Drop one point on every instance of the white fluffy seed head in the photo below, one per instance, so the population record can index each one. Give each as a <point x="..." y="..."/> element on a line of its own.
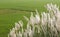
<point x="19" y="34"/>
<point x="37" y="17"/>
<point x="44" y="18"/>
<point x="32" y="19"/>
<point x="17" y="26"/>
<point x="12" y="33"/>
<point x="20" y="23"/>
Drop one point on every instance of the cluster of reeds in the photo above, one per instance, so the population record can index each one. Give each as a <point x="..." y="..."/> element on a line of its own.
<point x="45" y="25"/>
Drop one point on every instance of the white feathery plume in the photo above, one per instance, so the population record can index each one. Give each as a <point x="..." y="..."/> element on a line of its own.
<point x="21" y="23"/>
<point x="52" y="25"/>
<point x="25" y="33"/>
<point x="58" y="20"/>
<point x="38" y="28"/>
<point x="37" y="17"/>
<point x="12" y="33"/>
<point x="55" y="8"/>
<point x="48" y="18"/>
<point x="44" y="18"/>
<point x="32" y="19"/>
<point x="17" y="26"/>
<point x="30" y="33"/>
<point x="19" y="34"/>
<point x="29" y="30"/>
<point x="49" y="7"/>
<point x="28" y="26"/>
<point x="53" y="28"/>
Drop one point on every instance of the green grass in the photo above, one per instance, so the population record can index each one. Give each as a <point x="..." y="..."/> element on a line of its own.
<point x="7" y="22"/>
<point x="26" y="4"/>
<point x="14" y="14"/>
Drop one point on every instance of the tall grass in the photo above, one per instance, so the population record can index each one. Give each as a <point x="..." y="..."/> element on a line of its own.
<point x="45" y="25"/>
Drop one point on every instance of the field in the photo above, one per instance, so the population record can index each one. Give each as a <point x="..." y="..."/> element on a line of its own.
<point x="12" y="11"/>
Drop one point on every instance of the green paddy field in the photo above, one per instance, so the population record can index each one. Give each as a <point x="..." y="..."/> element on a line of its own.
<point x="12" y="11"/>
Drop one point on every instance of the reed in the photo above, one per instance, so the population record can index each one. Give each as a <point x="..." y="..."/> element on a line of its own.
<point x="45" y="25"/>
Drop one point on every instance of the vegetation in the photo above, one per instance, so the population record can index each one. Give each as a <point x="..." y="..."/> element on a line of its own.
<point x="44" y="25"/>
<point x="12" y="11"/>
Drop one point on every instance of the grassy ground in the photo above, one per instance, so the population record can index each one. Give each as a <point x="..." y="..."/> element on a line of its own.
<point x="12" y="11"/>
